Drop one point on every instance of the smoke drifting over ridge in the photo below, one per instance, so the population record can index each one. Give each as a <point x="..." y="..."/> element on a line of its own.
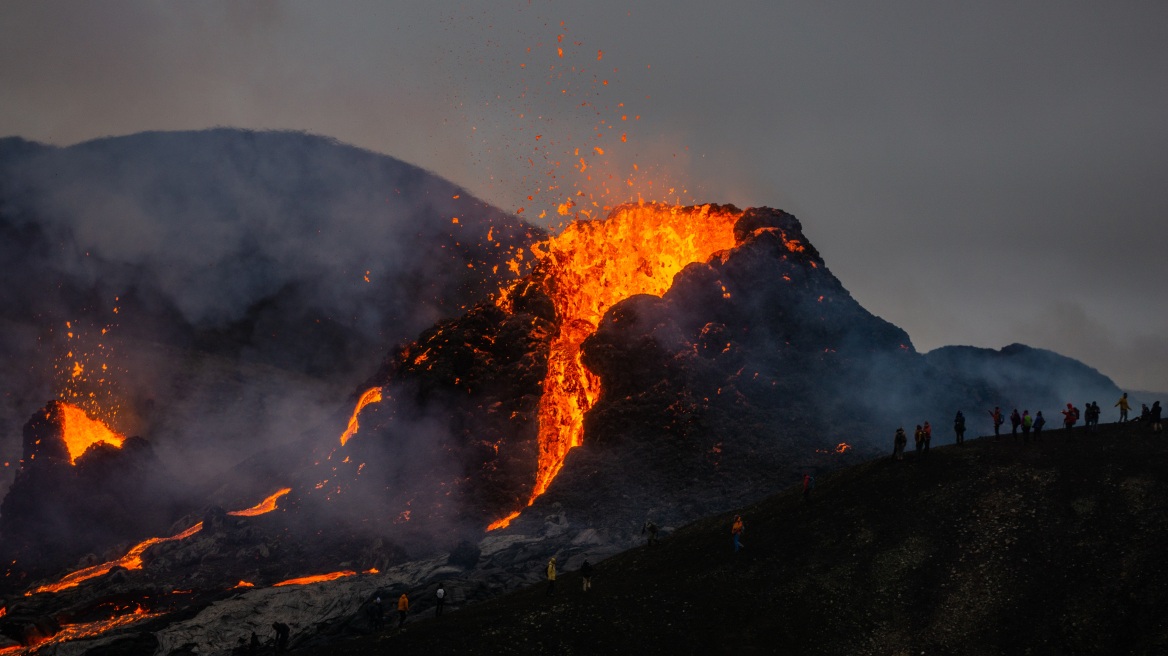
<point x="242" y="276"/>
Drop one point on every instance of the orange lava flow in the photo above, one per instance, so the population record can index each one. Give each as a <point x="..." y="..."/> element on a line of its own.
<point x="81" y="432"/>
<point x="133" y="558"/>
<point x="590" y="266"/>
<point x="371" y="395"/>
<point x="265" y="506"/>
<point x="305" y="580"/>
<point x="91" y="629"/>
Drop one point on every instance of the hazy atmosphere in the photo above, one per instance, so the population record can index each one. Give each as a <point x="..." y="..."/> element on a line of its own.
<point x="977" y="175"/>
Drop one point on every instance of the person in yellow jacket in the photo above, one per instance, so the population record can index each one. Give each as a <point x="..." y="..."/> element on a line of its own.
<point x="551" y="576"/>
<point x="1123" y="406"/>
<point x="403" y="607"/>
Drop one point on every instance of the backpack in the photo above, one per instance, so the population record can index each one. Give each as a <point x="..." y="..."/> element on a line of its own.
<point x="1075" y="414"/>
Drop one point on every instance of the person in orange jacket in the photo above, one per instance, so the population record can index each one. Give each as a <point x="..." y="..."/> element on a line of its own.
<point x="736" y="532"/>
<point x="403" y="607"/>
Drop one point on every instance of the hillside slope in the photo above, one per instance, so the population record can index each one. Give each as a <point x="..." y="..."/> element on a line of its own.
<point x="989" y="548"/>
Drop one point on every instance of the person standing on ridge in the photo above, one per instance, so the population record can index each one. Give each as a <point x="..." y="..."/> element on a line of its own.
<point x="928" y="433"/>
<point x="586" y="575"/>
<point x="1015" y="423"/>
<point x="651" y="528"/>
<point x="808" y="483"/>
<point x="1091" y="414"/>
<point x="1027" y="423"/>
<point x="1070" y="417"/>
<point x="919" y="440"/>
<point x="1039" y="422"/>
<point x="996" y="415"/>
<point x="439" y="600"/>
<point x="1124" y="405"/>
<point x="959" y="427"/>
<point x="1154" y="417"/>
<point x="898" y="444"/>
<point x="551" y="577"/>
<point x="403" y="608"/>
<point x="736" y="530"/>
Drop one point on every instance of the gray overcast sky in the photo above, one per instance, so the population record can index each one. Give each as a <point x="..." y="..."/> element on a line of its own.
<point x="977" y="173"/>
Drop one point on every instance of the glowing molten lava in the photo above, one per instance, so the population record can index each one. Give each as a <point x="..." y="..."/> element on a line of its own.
<point x="305" y="580"/>
<point x="589" y="267"/>
<point x="133" y="558"/>
<point x="265" y="506"/>
<point x="81" y="432"/>
<point x="371" y="395"/>
<point x="70" y="632"/>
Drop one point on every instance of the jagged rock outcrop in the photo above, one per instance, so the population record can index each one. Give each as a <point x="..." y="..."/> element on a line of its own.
<point x="58" y="510"/>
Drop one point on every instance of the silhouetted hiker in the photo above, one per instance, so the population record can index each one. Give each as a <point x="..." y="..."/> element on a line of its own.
<point x="898" y="444"/>
<point x="551" y="577"/>
<point x="651" y="529"/>
<point x="586" y="575"/>
<point x="1091" y="415"/>
<point x="403" y="609"/>
<point x="996" y="415"/>
<point x="1015" y="423"/>
<point x="919" y="440"/>
<point x="928" y="432"/>
<point x="1124" y="406"/>
<point x="254" y="646"/>
<point x="1070" y="417"/>
<point x="808" y="483"/>
<point x="282" y="632"/>
<point x="1144" y="412"/>
<point x="1039" y="422"/>
<point x="1027" y="423"/>
<point x="736" y="530"/>
<point x="959" y="427"/>
<point x="1154" y="417"/>
<point x="439" y="600"/>
<point x="376" y="613"/>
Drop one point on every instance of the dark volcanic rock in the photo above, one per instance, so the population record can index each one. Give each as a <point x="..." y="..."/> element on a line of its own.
<point x="57" y="512"/>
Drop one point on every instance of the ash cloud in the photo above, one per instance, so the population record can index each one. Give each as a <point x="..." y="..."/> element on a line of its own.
<point x="253" y="274"/>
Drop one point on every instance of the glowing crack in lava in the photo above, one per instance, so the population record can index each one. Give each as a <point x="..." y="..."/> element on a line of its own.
<point x="588" y="268"/>
<point x="263" y="507"/>
<point x="371" y="395"/>
<point x="305" y="580"/>
<point x="80" y="432"/>
<point x="133" y="557"/>
<point x="70" y="632"/>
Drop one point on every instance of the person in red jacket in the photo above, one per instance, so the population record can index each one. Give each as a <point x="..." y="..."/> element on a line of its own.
<point x="1070" y="416"/>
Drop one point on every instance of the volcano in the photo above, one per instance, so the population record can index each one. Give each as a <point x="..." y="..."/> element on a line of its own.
<point x="660" y="365"/>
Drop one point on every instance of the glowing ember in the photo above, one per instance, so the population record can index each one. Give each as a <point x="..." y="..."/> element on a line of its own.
<point x="265" y="506"/>
<point x="133" y="558"/>
<point x="305" y="580"/>
<point x="589" y="267"/>
<point x="842" y="447"/>
<point x="244" y="584"/>
<point x="81" y="432"/>
<point x="371" y="395"/>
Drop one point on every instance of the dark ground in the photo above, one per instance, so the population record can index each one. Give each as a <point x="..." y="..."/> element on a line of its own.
<point x="996" y="547"/>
